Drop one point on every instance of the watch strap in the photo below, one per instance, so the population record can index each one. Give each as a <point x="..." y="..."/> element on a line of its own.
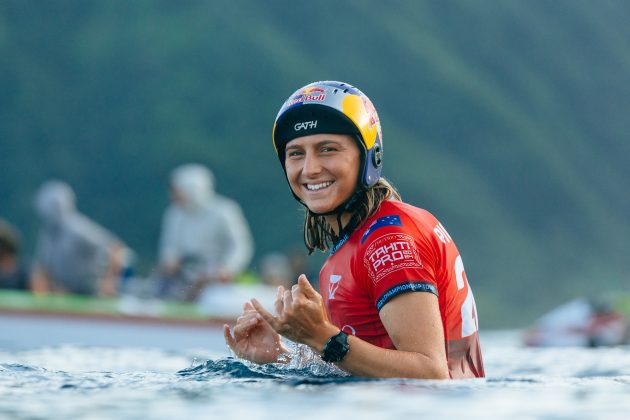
<point x="336" y="348"/>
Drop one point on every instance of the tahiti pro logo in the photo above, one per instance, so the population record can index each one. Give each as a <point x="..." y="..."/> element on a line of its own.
<point x="389" y="253"/>
<point x="312" y="94"/>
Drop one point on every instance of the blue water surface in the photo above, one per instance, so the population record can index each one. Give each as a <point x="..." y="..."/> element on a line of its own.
<point x="72" y="381"/>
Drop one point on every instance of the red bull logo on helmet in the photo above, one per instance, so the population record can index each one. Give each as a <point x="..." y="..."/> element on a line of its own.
<point x="309" y="94"/>
<point x="371" y="111"/>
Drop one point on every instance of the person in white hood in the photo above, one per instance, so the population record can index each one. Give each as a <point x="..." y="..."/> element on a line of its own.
<point x="205" y="237"/>
<point x="73" y="253"/>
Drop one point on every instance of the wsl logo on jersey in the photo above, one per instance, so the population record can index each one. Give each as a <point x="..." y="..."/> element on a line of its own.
<point x="333" y="285"/>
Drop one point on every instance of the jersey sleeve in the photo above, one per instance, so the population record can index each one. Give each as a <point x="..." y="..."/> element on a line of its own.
<point x="396" y="259"/>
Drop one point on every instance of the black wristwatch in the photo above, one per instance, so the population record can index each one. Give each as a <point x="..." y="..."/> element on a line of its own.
<point x="336" y="348"/>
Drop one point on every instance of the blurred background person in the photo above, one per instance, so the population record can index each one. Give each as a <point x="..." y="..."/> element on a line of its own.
<point x="13" y="272"/>
<point x="204" y="239"/>
<point x="73" y="253"/>
<point x="300" y="264"/>
<point x="276" y="270"/>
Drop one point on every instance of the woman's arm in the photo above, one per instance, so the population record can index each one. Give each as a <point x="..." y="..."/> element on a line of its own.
<point x="412" y="320"/>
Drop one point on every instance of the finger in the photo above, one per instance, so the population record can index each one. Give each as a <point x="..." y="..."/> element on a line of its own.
<point x="243" y="328"/>
<point x="278" y="305"/>
<point x="228" y="336"/>
<point x="305" y="287"/>
<point x="266" y="315"/>
<point x="287" y="300"/>
<point x="246" y="316"/>
<point x="248" y="309"/>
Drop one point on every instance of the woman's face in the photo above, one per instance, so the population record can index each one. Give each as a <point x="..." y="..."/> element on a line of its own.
<point x="322" y="169"/>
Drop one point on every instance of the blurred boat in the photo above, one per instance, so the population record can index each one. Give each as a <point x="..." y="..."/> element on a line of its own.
<point x="583" y="322"/>
<point x="29" y="321"/>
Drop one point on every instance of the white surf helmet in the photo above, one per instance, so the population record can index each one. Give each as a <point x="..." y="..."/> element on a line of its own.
<point x="336" y="108"/>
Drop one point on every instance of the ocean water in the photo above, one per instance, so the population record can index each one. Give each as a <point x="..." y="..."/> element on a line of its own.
<point x="75" y="382"/>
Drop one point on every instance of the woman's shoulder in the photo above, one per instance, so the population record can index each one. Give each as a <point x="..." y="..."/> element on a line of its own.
<point x="407" y="217"/>
<point x="395" y="217"/>
<point x="400" y="208"/>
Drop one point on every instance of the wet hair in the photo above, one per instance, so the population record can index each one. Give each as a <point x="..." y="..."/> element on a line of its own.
<point x="319" y="235"/>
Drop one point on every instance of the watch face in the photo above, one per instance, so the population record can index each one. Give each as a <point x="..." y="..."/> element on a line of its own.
<point x="336" y="348"/>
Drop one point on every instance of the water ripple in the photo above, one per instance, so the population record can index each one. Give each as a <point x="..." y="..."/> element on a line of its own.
<point x="230" y="367"/>
<point x="79" y="382"/>
<point x="17" y="367"/>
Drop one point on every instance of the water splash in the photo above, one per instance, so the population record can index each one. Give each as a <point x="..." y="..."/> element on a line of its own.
<point x="303" y="367"/>
<point x="288" y="374"/>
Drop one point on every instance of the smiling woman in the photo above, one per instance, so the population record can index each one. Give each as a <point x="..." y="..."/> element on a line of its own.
<point x="395" y="300"/>
<point x="322" y="169"/>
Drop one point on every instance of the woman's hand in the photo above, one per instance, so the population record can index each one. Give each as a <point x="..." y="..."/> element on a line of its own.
<point x="254" y="339"/>
<point x="301" y="315"/>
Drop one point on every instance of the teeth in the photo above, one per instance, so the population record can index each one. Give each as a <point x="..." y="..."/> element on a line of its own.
<point x="315" y="187"/>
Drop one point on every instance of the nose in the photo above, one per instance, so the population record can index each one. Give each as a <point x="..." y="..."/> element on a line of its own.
<point x="312" y="165"/>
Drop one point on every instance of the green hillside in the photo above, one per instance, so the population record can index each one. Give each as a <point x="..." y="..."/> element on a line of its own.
<point x="505" y="119"/>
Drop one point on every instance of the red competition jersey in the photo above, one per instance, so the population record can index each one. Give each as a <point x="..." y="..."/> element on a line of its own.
<point x="402" y="249"/>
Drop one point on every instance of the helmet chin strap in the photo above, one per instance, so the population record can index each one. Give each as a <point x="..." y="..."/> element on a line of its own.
<point x="345" y="207"/>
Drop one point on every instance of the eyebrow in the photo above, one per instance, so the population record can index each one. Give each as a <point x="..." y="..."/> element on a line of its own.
<point x="321" y="143"/>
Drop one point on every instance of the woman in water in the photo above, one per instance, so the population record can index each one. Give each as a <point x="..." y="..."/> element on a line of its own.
<point x="395" y="300"/>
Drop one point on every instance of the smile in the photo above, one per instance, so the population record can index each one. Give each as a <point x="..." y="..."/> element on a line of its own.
<point x="317" y="187"/>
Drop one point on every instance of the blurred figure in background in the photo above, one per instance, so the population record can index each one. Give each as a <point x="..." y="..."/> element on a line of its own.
<point x="204" y="239"/>
<point x="13" y="273"/>
<point x="276" y="270"/>
<point x="73" y="253"/>
<point x="300" y="265"/>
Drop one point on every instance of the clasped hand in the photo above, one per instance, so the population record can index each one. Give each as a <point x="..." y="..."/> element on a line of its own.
<point x="300" y="317"/>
